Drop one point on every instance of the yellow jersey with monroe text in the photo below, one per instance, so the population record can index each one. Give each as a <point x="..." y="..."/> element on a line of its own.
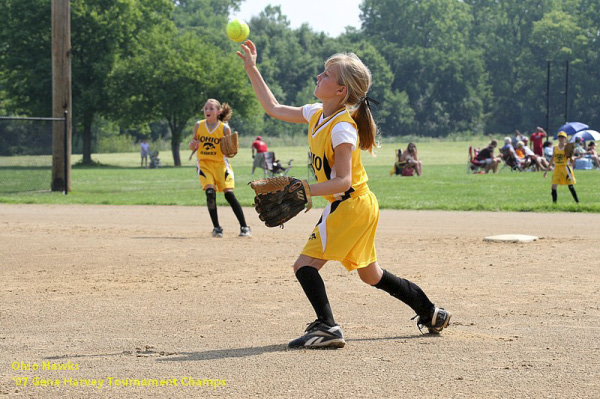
<point x="210" y="141"/>
<point x="559" y="157"/>
<point x="323" y="156"/>
<point x="563" y="173"/>
<point x="346" y="230"/>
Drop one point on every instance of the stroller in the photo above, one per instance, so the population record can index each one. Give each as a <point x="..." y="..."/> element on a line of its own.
<point x="271" y="166"/>
<point x="154" y="160"/>
<point x="280" y="169"/>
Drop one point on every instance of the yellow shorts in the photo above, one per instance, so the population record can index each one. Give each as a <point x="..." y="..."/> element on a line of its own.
<point x="563" y="174"/>
<point x="218" y="174"/>
<point x="346" y="232"/>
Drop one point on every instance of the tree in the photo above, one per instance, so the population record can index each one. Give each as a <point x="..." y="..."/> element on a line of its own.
<point x="502" y="29"/>
<point x="100" y="30"/>
<point x="170" y="77"/>
<point x="25" y="51"/>
<point x="289" y="61"/>
<point x="427" y="47"/>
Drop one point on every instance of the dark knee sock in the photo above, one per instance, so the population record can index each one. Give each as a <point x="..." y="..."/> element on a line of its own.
<point x="314" y="288"/>
<point x="554" y="195"/>
<point x="573" y="193"/>
<point x="211" y="203"/>
<point x="237" y="208"/>
<point x="408" y="292"/>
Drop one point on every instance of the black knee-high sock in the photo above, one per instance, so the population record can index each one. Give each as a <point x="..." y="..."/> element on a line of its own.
<point x="573" y="193"/>
<point x="211" y="203"/>
<point x="237" y="208"/>
<point x="314" y="288"/>
<point x="554" y="195"/>
<point x="408" y="292"/>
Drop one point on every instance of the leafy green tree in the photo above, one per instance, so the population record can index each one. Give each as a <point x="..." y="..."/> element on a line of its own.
<point x="287" y="61"/>
<point x="208" y="16"/>
<point x="170" y="77"/>
<point x="503" y="31"/>
<point x="585" y="76"/>
<point x="427" y="47"/>
<point x="25" y="51"/>
<point x="100" y="32"/>
<point x="519" y="38"/>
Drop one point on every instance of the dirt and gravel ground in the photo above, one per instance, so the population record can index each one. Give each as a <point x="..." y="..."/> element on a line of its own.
<point x="124" y="293"/>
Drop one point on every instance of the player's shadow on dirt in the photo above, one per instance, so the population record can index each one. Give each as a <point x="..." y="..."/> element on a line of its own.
<point x="259" y="350"/>
<point x="162" y="238"/>
<point x="224" y="353"/>
<point x="420" y="336"/>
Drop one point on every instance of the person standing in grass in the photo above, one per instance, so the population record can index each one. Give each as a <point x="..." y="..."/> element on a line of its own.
<point x="536" y="141"/>
<point x="144" y="151"/>
<point x="563" y="172"/>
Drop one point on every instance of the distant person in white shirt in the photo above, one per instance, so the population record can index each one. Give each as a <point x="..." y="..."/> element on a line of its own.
<point x="144" y="151"/>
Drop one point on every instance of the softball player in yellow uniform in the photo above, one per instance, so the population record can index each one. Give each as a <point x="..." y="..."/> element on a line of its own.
<point x="213" y="167"/>
<point x="563" y="172"/>
<point x="339" y="127"/>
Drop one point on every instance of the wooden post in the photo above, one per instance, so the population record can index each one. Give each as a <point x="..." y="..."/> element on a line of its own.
<point x="61" y="95"/>
<point x="567" y="92"/>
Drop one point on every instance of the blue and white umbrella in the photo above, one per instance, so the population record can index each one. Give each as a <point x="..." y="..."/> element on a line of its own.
<point x="587" y="135"/>
<point x="571" y="128"/>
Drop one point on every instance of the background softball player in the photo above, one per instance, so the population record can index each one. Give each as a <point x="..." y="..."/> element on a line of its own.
<point x="346" y="230"/>
<point x="563" y="172"/>
<point x="214" y="169"/>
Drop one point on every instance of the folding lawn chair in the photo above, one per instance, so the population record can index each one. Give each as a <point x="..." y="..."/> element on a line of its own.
<point x="474" y="165"/>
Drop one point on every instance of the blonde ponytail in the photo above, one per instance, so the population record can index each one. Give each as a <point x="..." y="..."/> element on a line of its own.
<point x="357" y="78"/>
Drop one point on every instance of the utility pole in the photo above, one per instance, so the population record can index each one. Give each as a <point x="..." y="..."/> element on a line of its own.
<point x="61" y="95"/>
<point x="567" y="92"/>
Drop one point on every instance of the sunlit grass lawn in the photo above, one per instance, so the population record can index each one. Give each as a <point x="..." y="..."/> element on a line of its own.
<point x="445" y="184"/>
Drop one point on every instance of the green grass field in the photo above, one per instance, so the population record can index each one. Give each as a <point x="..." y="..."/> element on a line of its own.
<point x="119" y="180"/>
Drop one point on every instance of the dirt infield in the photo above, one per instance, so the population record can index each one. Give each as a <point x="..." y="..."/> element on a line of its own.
<point x="143" y="295"/>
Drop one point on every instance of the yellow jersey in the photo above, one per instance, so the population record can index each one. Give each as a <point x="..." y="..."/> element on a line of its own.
<point x="210" y="140"/>
<point x="323" y="156"/>
<point x="559" y="157"/>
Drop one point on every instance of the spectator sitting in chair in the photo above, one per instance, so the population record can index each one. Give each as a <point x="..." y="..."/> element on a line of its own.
<point x="548" y="150"/>
<point x="411" y="157"/>
<point x="486" y="155"/>
<point x="592" y="154"/>
<point x="523" y="159"/>
<point x="259" y="146"/>
<point x="579" y="150"/>
<point x="530" y="158"/>
<point x="518" y="137"/>
<point x="509" y="155"/>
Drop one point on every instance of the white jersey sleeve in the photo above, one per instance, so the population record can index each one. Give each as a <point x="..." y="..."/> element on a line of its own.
<point x="341" y="133"/>
<point x="309" y="110"/>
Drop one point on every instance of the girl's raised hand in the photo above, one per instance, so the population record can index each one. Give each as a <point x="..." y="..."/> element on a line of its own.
<point x="249" y="55"/>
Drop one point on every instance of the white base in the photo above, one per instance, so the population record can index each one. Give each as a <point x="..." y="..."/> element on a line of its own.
<point x="511" y="238"/>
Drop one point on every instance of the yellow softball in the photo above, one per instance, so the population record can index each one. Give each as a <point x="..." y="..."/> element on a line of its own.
<point x="237" y="30"/>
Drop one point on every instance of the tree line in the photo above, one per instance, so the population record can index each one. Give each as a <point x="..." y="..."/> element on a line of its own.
<point x="439" y="67"/>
